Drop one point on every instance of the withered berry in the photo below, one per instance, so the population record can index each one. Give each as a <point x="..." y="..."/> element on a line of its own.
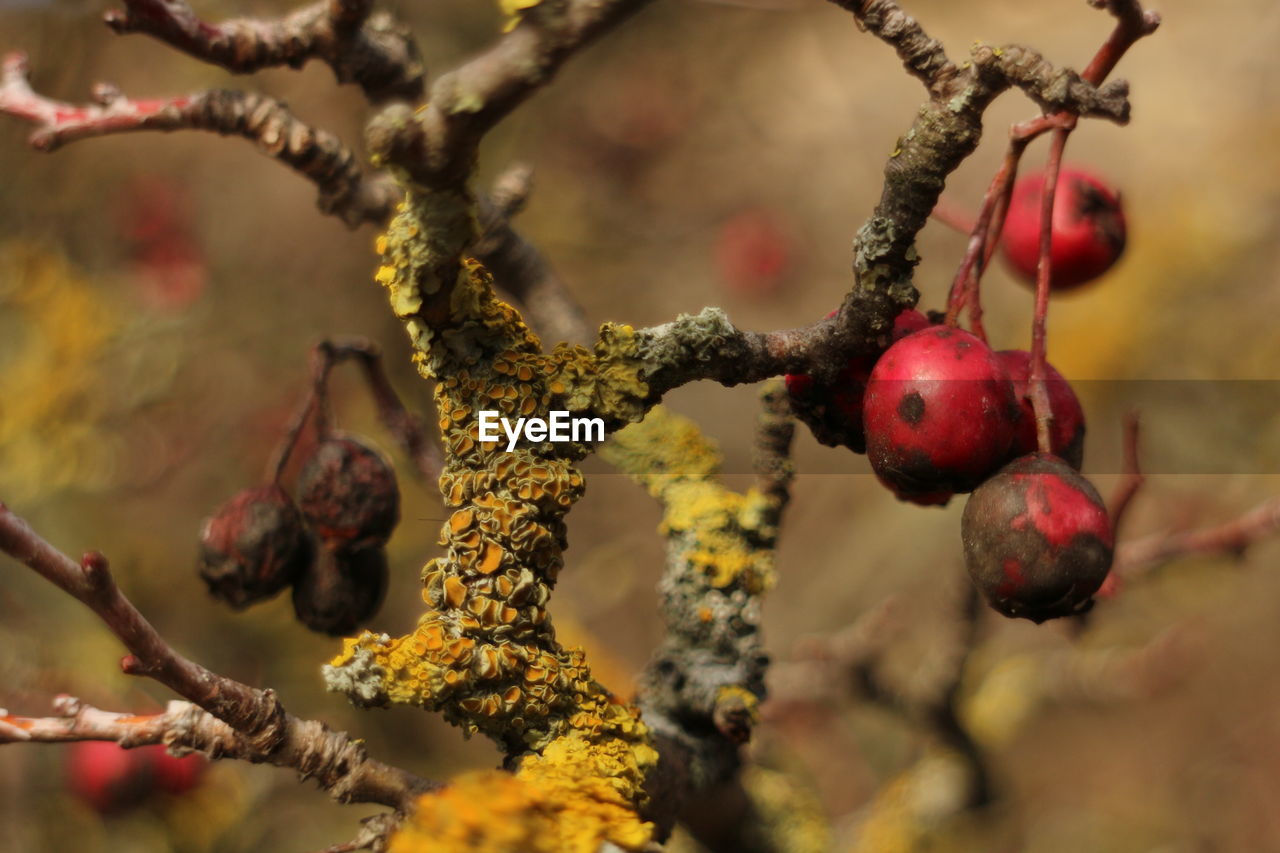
<point x="348" y="494"/>
<point x="939" y="413"/>
<point x="341" y="590"/>
<point x="253" y="546"/>
<point x="833" y="411"/>
<point x="1037" y="539"/>
<point x="1088" y="228"/>
<point x="1066" y="431"/>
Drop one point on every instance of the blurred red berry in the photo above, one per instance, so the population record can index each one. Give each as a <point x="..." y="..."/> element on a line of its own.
<point x="1088" y="228"/>
<point x="166" y="259"/>
<point x="753" y="253"/>
<point x="174" y="775"/>
<point x="109" y="778"/>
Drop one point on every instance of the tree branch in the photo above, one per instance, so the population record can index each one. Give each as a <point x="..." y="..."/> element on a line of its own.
<point x="924" y="57"/>
<point x="374" y="52"/>
<point x="319" y="156"/>
<point x="250" y="723"/>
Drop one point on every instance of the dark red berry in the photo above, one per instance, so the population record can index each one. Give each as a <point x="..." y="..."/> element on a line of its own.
<point x="109" y="778"/>
<point x="1037" y="539"/>
<point x="348" y="494"/>
<point x="253" y="546"/>
<point x="1066" y="431"/>
<point x="341" y="590"/>
<point x="1088" y="228"/>
<point x="940" y="415"/>
<point x="833" y="411"/>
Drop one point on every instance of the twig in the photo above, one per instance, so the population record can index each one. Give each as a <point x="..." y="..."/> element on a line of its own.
<point x="924" y="57"/>
<point x="519" y="267"/>
<point x="373" y="52"/>
<point x="1235" y="537"/>
<point x="408" y="430"/>
<point x="345" y="191"/>
<point x="1133" y="478"/>
<point x="249" y="723"/>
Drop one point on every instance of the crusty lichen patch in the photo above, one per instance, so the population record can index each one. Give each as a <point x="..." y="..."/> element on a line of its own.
<point x="722" y="537"/>
<point x="484" y="653"/>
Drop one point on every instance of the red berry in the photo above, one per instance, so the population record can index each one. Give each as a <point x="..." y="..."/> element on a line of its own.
<point x="834" y="411"/>
<point x="1037" y="539"/>
<point x="752" y="252"/>
<point x="1088" y="228"/>
<point x="341" y="590"/>
<point x="177" y="775"/>
<point x="348" y="494"/>
<point x="940" y="414"/>
<point x="1066" y="431"/>
<point x="253" y="546"/>
<point x="108" y="777"/>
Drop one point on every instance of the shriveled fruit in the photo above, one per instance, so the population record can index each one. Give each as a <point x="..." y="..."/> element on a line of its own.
<point x="833" y="411"/>
<point x="939" y="413"/>
<point x="341" y="590"/>
<point x="1088" y="231"/>
<point x="253" y="546"/>
<point x="348" y="494"/>
<point x="1037" y="539"/>
<point x="1066" y="431"/>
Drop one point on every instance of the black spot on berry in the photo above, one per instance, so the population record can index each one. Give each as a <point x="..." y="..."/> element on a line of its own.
<point x="911" y="408"/>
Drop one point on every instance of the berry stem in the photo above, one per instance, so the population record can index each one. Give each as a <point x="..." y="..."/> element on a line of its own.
<point x="1044" y="271"/>
<point x="965" y="286"/>
<point x="1133" y="477"/>
<point x="405" y="427"/>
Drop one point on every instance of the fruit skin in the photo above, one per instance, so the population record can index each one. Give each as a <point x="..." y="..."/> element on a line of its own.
<point x="833" y="411"/>
<point x="342" y="590"/>
<point x="1037" y="538"/>
<point x="253" y="546"/>
<point x="1088" y="228"/>
<point x="940" y="415"/>
<point x="348" y="494"/>
<point x="1066" y="431"/>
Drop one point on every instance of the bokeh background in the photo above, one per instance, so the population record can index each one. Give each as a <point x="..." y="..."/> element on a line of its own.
<point x="159" y="293"/>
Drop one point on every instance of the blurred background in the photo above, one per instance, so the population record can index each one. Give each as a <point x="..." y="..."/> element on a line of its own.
<point x="159" y="294"/>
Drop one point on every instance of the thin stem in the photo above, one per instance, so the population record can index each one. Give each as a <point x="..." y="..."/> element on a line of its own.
<point x="1044" y="271"/>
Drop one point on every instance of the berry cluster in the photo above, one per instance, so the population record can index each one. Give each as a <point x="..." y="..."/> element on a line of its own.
<point x="939" y="413"/>
<point x="329" y="545"/>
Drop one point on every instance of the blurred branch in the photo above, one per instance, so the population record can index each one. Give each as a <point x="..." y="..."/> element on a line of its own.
<point x="374" y="52"/>
<point x="250" y="723"/>
<point x="775" y="429"/>
<point x="701" y="690"/>
<point x="1235" y="537"/>
<point x="436" y="146"/>
<point x="1132" y="477"/>
<point x="345" y="191"/>
<point x="520" y="268"/>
